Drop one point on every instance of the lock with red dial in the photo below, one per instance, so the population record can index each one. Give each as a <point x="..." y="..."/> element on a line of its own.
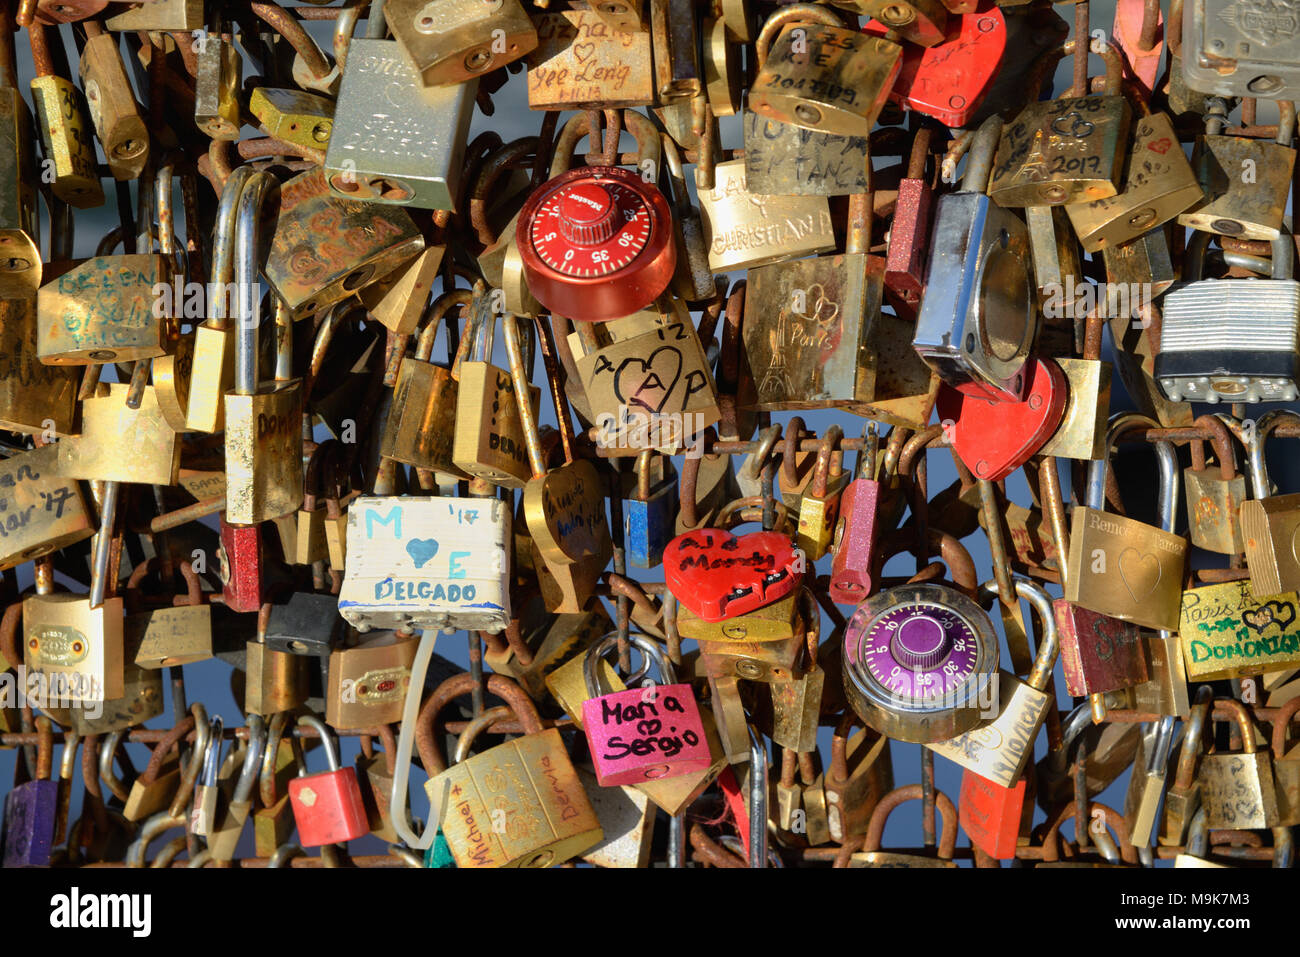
<point x="596" y="243"/>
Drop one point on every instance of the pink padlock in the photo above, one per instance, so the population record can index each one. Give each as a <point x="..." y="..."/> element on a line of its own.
<point x="642" y="734"/>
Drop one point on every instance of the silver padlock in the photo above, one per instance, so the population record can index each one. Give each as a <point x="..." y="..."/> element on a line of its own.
<point x="979" y="315"/>
<point x="1232" y="340"/>
<point x="1242" y="48"/>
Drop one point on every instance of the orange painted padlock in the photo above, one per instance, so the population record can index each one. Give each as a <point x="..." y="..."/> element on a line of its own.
<point x="991" y="815"/>
<point x="327" y="807"/>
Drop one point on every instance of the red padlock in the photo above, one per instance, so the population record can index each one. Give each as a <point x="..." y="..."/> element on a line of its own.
<point x="241" y="563"/>
<point x="992" y="815"/>
<point x="907" y="253"/>
<point x="949" y="81"/>
<point x="1141" y="62"/>
<point x="327" y="807"/>
<point x="994" y="438"/>
<point x="855" y="532"/>
<point x="596" y="243"/>
<point x="1099" y="653"/>
<point x="718" y="576"/>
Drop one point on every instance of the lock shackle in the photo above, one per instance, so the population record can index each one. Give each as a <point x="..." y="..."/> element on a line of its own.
<point x="475" y="727"/>
<point x="1053" y="839"/>
<point x="1260" y="485"/>
<point x="251" y="769"/>
<point x="1244" y="724"/>
<point x="1114" y="67"/>
<point x="742" y="511"/>
<point x="1282" y="265"/>
<point x="1198" y="835"/>
<point x="1167" y="502"/>
<point x="1162" y="743"/>
<point x="555" y="383"/>
<point x="979" y="161"/>
<point x="1049" y="645"/>
<point x="223" y="245"/>
<point x="651" y="649"/>
<point x="1194" y="736"/>
<point x="160" y="750"/>
<point x="578" y="126"/>
<point x="327" y="739"/>
<point x="788" y="16"/>
<point x="247" y="312"/>
<point x="312" y="480"/>
<point x="825" y="454"/>
<point x="794" y="430"/>
<point x="434" y="316"/>
<point x="497" y="163"/>
<point x="212" y="753"/>
<point x="190" y="774"/>
<point x="767" y="440"/>
<point x="865" y="468"/>
<point x="642" y="471"/>
<point x="458" y="686"/>
<point x="911" y="792"/>
<point x="1285" y="122"/>
<point x="690" y="480"/>
<point x="1221" y="439"/>
<point x="267" y="774"/>
<point x="68" y="759"/>
<point x="952" y="553"/>
<point x="45" y="748"/>
<point x="1281" y="724"/>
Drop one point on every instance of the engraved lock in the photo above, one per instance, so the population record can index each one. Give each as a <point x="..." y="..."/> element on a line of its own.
<point x="66" y="137"/>
<point x="999" y="749"/>
<point x="1236" y="204"/>
<point x="978" y="318"/>
<point x="596" y="242"/>
<point x="1214" y="497"/>
<point x="1231" y="340"/>
<point x="918" y="661"/>
<point x="43" y="510"/>
<point x="1066" y="150"/>
<point x="263" y="420"/>
<point x="393" y="141"/>
<point x="1237" y="789"/>
<point x="112" y="106"/>
<point x="581" y="62"/>
<point x="1270" y="523"/>
<point x="820" y="76"/>
<point x="1241" y="50"/>
<point x="673" y="31"/>
<point x="108" y="425"/>
<point x="452" y="41"/>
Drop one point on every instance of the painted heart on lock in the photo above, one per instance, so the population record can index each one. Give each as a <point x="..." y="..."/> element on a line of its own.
<point x="994" y="439"/>
<point x="421" y="550"/>
<point x="718" y="575"/>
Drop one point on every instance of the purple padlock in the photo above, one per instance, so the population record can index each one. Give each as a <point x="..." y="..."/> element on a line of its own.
<point x="29" y="824"/>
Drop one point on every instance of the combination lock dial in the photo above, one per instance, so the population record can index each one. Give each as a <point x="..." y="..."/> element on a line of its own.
<point x="917" y="663"/>
<point x="596" y="243"/>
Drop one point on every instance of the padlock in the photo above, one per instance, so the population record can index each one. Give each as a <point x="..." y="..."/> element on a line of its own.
<point x="273" y="822"/>
<point x="563" y="506"/>
<point x="782" y="159"/>
<point x="30" y="808"/>
<point x="223" y="838"/>
<point x="308" y="540"/>
<point x="181" y="15"/>
<point x="368" y="680"/>
<point x="872" y="856"/>
<point x="375" y="776"/>
<point x="244" y="566"/>
<point x="1000" y="749"/>
<point x="797" y="699"/>
<point x="1146" y="784"/>
<point x="1197" y="851"/>
<point x="326" y="247"/>
<point x="1158" y="185"/>
<point x="461" y="40"/>
<point x="1055" y="254"/>
<point x="393" y="141"/>
<point x="1067" y="150"/>
<point x="19" y="221"/>
<point x="1183" y="798"/>
<point x="929" y="676"/>
<point x="664" y="736"/>
<point x="202" y="816"/>
<point x="1286" y="766"/>
<point x="1082" y="432"/>
<point x="33" y="396"/>
<point x="1099" y="653"/>
<point x="419" y="428"/>
<point x="820" y="76"/>
<point x="993" y="815"/>
<point x="1269" y="523"/>
<point x="307" y="624"/>
<point x="275" y="680"/>
<point x="649" y="516"/>
<point x="1237" y="789"/>
<point x="1237" y="205"/>
<point x="819" y="504"/>
<point x="427" y="562"/>
<point x="218" y="81"/>
<point x="539" y="650"/>
<point x="295" y="116"/>
<point x="910" y="230"/>
<point x="860" y="774"/>
<point x="1240" y="51"/>
<point x="581" y="62"/>
<point x="856" y="528"/>
<point x="67" y="141"/>
<point x="949" y="78"/>
<point x="1231" y="340"/>
<point x="596" y="242"/>
<point x="1214" y="501"/>
<point x="541" y="825"/>
<point x="171" y="635"/>
<point x="113" y="109"/>
<point x="43" y="511"/>
<point x="1118" y="566"/>
<point x="108" y="424"/>
<point x="327" y="806"/>
<point x="978" y="318"/>
<point x="162" y="779"/>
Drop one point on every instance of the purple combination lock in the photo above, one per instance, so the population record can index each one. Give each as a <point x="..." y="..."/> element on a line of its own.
<point x="917" y="661"/>
<point x="29" y="824"/>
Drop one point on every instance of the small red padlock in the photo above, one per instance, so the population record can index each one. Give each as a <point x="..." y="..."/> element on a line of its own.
<point x="908" y="251"/>
<point x="1141" y="63"/>
<point x="855" y="532"/>
<point x="327" y="807"/>
<point x="991" y="815"/>
<point x="241" y="561"/>
<point x="644" y="733"/>
<point x="1099" y="653"/>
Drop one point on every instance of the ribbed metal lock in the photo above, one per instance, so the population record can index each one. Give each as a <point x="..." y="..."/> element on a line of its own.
<point x="1231" y="340"/>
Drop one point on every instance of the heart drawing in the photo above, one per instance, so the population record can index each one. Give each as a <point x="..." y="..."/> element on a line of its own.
<point x="421" y="550"/>
<point x="649" y="382"/>
<point x="1139" y="571"/>
<point x="718" y="575"/>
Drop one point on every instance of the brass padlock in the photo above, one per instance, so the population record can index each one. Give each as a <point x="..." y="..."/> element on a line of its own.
<point x="452" y="41"/>
<point x="1066" y="150"/>
<point x="1237" y="789"/>
<point x="819" y="75"/>
<point x="34" y="397"/>
<point x="113" y="109"/>
<point x="40" y="510"/>
<point x="217" y="82"/>
<point x="109" y="425"/>
<point x="304" y="119"/>
<point x="581" y="62"/>
<point x="66" y="138"/>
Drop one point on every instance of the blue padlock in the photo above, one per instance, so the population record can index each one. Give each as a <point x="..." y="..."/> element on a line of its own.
<point x="649" y="515"/>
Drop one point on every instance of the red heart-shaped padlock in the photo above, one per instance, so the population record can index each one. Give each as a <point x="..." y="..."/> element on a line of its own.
<point x="994" y="439"/>
<point x="717" y="575"/>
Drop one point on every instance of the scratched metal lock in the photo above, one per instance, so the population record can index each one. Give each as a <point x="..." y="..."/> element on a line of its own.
<point x="304" y="119"/>
<point x="782" y="159"/>
<point x="326" y="247"/>
<point x="1241" y="49"/>
<point x="217" y="82"/>
<point x="1066" y="150"/>
<point x="1214" y="500"/>
<point x="67" y="140"/>
<point x="1099" y="653"/>
<point x="1226" y="632"/>
<point x="182" y="15"/>
<point x="394" y="141"/>
<point x="819" y="75"/>
<point x="19" y="222"/>
<point x="108" y="425"/>
<point x="1231" y="340"/>
<point x="920" y="22"/>
<point x="112" y="105"/>
<point x="102" y="310"/>
<point x="40" y="510"/>
<point x="1237" y="788"/>
<point x="1236" y="204"/>
<point x="581" y="62"/>
<point x="453" y="41"/>
<point x="547" y="646"/>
